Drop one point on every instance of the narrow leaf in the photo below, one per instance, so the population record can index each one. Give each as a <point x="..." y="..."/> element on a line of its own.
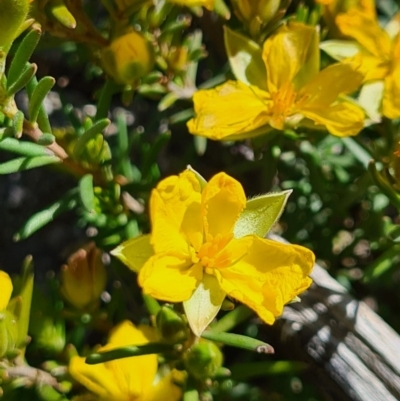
<point x="86" y="192"/>
<point x="22" y="80"/>
<point x="22" y="56"/>
<point x="239" y="341"/>
<point x="24" y="148"/>
<point x="42" y="119"/>
<point x="46" y="216"/>
<point x="38" y="95"/>
<point x="126" y="352"/>
<point x="61" y="13"/>
<point x="18" y="123"/>
<point x="26" y="163"/>
<point x="261" y="214"/>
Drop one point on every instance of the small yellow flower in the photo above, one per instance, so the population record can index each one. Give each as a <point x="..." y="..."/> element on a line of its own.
<point x="378" y="55"/>
<point x="296" y="93"/>
<point x="6" y="290"/>
<point x="200" y="243"/>
<point x="127" y="379"/>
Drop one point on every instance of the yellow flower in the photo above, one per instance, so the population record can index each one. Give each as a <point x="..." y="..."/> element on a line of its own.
<point x="377" y="56"/>
<point x="127" y="379"/>
<point x="296" y="93"/>
<point x="209" y="4"/>
<point x="203" y="243"/>
<point x="6" y="290"/>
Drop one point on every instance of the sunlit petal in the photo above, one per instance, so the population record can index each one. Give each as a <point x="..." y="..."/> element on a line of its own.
<point x="291" y="55"/>
<point x="166" y="388"/>
<point x="270" y="275"/>
<point x="341" y="119"/>
<point x="229" y="109"/>
<point x="170" y="278"/>
<point x="328" y="84"/>
<point x="6" y="289"/>
<point x="223" y="199"/>
<point x="175" y="213"/>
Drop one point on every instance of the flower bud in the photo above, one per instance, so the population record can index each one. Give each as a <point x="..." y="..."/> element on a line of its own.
<point x="48" y="335"/>
<point x="172" y="326"/>
<point x="256" y="14"/>
<point x="12" y="15"/>
<point x="128" y="58"/>
<point x="83" y="277"/>
<point x="203" y="360"/>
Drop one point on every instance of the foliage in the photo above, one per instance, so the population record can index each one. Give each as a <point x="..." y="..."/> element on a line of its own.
<point x="297" y="102"/>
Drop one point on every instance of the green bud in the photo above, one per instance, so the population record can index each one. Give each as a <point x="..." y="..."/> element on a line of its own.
<point x="49" y="334"/>
<point x="172" y="326"/>
<point x="203" y="360"/>
<point x="12" y="15"/>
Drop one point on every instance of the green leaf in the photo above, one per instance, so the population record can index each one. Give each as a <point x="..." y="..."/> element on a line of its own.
<point x="261" y="214"/>
<point x="126" y="352"/>
<point x="239" y="341"/>
<point x="61" y="13"/>
<point x="38" y="95"/>
<point x="46" y="139"/>
<point x="22" y="80"/>
<point x="46" y="216"/>
<point x="388" y="260"/>
<point x="204" y="304"/>
<point x="28" y="149"/>
<point x="22" y="56"/>
<point x="26" y="163"/>
<point x="235" y="317"/>
<point x="91" y="133"/>
<point x="86" y="192"/>
<point x="245" y="58"/>
<point x="42" y="119"/>
<point x="18" y="123"/>
<point x="135" y="252"/>
<point x="340" y="49"/>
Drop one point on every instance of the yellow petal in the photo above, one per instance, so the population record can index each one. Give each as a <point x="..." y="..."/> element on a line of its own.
<point x="96" y="378"/>
<point x="134" y="252"/>
<point x="175" y="214"/>
<point x="391" y="94"/>
<point x="341" y="119"/>
<point x="229" y="109"/>
<point x="365" y="29"/>
<point x="170" y="278"/>
<point x="166" y="388"/>
<point x="270" y="275"/>
<point x="133" y="375"/>
<point x="291" y="55"/>
<point x="223" y="199"/>
<point x="328" y="84"/>
<point x="6" y="289"/>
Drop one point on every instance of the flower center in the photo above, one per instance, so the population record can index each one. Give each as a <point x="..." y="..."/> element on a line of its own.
<point x="283" y="101"/>
<point x="213" y="253"/>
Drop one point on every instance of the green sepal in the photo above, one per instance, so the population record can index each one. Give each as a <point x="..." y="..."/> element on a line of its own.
<point x="260" y="214"/>
<point x="8" y="332"/>
<point x="204" y="304"/>
<point x="245" y="58"/>
<point x="135" y="252"/>
<point x="199" y="177"/>
<point x="339" y="49"/>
